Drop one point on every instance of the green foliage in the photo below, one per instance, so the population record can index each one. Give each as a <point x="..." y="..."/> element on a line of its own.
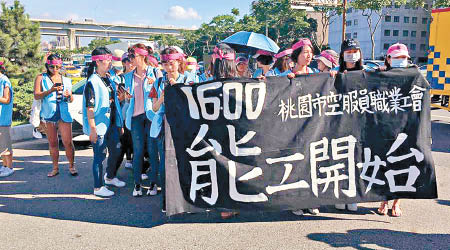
<point x="100" y="42"/>
<point x="166" y="40"/>
<point x="20" y="51"/>
<point x="283" y="25"/>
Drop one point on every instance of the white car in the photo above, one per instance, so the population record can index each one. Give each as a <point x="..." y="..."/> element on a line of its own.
<point x="75" y="109"/>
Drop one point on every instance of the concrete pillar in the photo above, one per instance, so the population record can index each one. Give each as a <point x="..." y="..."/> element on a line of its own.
<point x="72" y="38"/>
<point x="78" y="42"/>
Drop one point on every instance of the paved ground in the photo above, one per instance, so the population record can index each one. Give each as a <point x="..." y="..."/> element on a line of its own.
<point x="60" y="213"/>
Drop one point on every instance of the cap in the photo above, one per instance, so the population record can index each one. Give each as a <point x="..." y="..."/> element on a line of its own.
<point x="191" y="63"/>
<point x="241" y="59"/>
<point x="398" y="49"/>
<point x="349" y="44"/>
<point x="118" y="54"/>
<point x="125" y="56"/>
<point x="329" y="57"/>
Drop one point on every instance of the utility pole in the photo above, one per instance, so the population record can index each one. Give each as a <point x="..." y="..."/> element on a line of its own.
<point x="344" y="19"/>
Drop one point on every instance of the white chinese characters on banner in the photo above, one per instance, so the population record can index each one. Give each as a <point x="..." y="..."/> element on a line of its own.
<point x="357" y="101"/>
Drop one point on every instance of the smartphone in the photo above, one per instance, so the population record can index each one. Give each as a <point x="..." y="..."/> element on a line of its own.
<point x="122" y="87"/>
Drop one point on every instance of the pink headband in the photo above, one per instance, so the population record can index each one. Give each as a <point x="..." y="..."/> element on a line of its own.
<point x="142" y="52"/>
<point x="301" y="43"/>
<point x="263" y="52"/>
<point x="218" y="53"/>
<point x="153" y="59"/>
<point x="283" y="53"/>
<point x="329" y="57"/>
<point x="1" y="63"/>
<point x="191" y="63"/>
<point x="54" y="62"/>
<point x="167" y="57"/>
<point x="102" y="57"/>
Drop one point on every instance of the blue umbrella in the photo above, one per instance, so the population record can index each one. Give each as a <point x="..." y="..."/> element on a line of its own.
<point x="252" y="40"/>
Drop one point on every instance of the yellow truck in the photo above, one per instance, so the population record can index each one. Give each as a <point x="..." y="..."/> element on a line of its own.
<point x="438" y="68"/>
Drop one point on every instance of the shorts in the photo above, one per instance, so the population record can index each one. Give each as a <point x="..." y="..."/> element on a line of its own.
<point x="5" y="139"/>
<point x="56" y="117"/>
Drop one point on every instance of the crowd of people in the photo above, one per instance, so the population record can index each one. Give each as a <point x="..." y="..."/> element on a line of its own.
<point x="123" y="104"/>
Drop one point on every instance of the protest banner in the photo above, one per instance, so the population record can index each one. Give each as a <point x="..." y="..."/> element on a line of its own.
<point x="284" y="144"/>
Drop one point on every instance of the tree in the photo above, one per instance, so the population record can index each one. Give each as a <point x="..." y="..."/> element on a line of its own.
<point x="166" y="40"/>
<point x="191" y="41"/>
<point x="282" y="23"/>
<point x="374" y="11"/>
<point x="325" y="19"/>
<point x="20" y="51"/>
<point x="100" y="42"/>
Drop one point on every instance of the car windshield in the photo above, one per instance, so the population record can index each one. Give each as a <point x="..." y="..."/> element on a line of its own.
<point x="78" y="88"/>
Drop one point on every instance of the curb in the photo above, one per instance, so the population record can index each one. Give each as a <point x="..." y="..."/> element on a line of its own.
<point x="21" y="133"/>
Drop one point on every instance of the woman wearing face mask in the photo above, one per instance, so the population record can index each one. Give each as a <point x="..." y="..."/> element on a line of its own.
<point x="102" y="120"/>
<point x="284" y="64"/>
<point x="327" y="60"/>
<point x="55" y="91"/>
<point x="264" y="60"/>
<point x="139" y="113"/>
<point x="350" y="59"/>
<point x="302" y="54"/>
<point x="171" y="60"/>
<point x="397" y="57"/>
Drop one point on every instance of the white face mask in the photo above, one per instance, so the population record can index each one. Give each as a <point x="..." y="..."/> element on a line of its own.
<point x="351" y="57"/>
<point x="399" y="63"/>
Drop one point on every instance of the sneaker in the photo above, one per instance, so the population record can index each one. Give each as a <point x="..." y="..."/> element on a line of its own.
<point x="37" y="134"/>
<point x="340" y="206"/>
<point x="137" y="191"/>
<point x="4" y="171"/>
<point x="153" y="190"/>
<point x="352" y="207"/>
<point x="313" y="211"/>
<point x="128" y="165"/>
<point x="144" y="177"/>
<point x="103" y="192"/>
<point x="115" y="182"/>
<point x="298" y="212"/>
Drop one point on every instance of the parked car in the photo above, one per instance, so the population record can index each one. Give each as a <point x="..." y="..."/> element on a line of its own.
<point x="75" y="109"/>
<point x="373" y="64"/>
<point x="71" y="71"/>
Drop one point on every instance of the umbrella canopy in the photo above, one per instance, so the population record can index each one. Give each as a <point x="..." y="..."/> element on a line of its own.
<point x="251" y="40"/>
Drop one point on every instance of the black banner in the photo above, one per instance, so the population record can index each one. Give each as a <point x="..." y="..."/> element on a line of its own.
<point x="301" y="143"/>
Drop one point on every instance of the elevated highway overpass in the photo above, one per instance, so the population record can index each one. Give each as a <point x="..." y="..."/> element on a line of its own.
<point x="75" y="29"/>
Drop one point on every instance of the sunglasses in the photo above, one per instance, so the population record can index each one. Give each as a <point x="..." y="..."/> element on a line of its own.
<point x="54" y="66"/>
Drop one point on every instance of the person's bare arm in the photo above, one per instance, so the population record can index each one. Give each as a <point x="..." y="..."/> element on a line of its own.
<point x="6" y="98"/>
<point x="38" y="93"/>
<point x="91" y="122"/>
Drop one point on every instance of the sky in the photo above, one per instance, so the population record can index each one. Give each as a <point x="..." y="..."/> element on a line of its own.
<point x="178" y="13"/>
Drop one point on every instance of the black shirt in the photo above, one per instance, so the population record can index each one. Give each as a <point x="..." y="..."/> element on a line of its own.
<point x="89" y="95"/>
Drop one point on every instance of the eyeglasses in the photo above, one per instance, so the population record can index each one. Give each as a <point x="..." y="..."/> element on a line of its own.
<point x="54" y="66"/>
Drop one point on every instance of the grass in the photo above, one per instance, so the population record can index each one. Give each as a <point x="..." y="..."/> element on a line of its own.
<point x="18" y="122"/>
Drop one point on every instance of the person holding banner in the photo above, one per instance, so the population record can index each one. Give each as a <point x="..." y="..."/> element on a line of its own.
<point x="327" y="60"/>
<point x="397" y="57"/>
<point x="284" y="64"/>
<point x="171" y="60"/>
<point x="102" y="120"/>
<point x="55" y="91"/>
<point x="139" y="113"/>
<point x="264" y="60"/>
<point x="302" y="54"/>
<point x="6" y="108"/>
<point x="350" y="59"/>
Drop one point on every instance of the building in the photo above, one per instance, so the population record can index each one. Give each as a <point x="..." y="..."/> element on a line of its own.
<point x="402" y="24"/>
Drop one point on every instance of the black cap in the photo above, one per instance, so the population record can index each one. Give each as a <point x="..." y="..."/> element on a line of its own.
<point x="349" y="44"/>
